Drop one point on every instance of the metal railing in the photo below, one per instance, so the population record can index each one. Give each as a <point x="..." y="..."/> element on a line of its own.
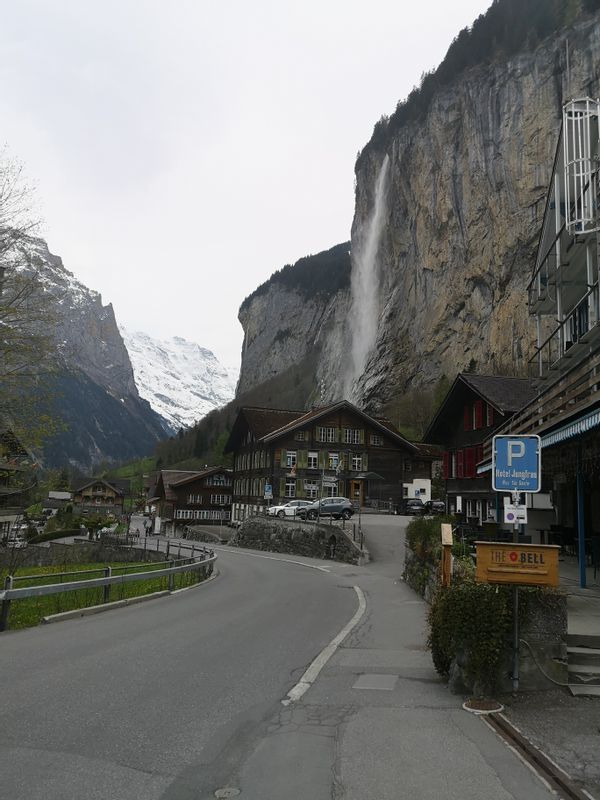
<point x="204" y="558"/>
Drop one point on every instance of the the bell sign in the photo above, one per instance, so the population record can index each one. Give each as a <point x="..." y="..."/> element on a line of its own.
<point x="516" y="464"/>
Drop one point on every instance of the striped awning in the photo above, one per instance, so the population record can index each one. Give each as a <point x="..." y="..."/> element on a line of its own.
<point x="585" y="423"/>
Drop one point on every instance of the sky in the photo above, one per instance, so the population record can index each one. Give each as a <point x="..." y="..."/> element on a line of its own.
<point x="185" y="150"/>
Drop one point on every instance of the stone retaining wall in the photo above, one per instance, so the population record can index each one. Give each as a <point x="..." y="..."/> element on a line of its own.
<point x="299" y="538"/>
<point x="78" y="553"/>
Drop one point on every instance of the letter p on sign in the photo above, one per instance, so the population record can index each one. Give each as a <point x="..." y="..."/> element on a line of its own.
<point x="514" y="450"/>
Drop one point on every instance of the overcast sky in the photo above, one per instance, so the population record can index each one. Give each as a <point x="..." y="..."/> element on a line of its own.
<point x="184" y="151"/>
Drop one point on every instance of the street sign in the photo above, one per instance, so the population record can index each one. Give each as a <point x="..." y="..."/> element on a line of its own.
<point x="520" y="564"/>
<point x="516" y="464"/>
<point x="268" y="491"/>
<point x="515" y="515"/>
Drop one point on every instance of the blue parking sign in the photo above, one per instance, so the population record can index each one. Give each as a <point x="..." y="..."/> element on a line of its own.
<point x="516" y="464"/>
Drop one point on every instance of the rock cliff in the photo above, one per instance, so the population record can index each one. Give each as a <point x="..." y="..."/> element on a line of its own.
<point x="462" y="205"/>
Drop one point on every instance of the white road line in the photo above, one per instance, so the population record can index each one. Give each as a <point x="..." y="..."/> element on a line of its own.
<point x="317" y="665"/>
<point x="270" y="558"/>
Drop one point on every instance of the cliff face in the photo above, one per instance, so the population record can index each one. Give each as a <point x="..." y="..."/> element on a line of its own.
<point x="93" y="392"/>
<point x="462" y="203"/>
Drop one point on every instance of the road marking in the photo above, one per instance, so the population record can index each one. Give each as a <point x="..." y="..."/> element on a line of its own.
<point x="270" y="558"/>
<point x="317" y="665"/>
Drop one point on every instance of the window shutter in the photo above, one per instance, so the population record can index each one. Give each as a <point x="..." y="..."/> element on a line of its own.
<point x="302" y="459"/>
<point x="362" y="437"/>
<point x="445" y="458"/>
<point x="277" y="457"/>
<point x="322" y="459"/>
<point x="467" y="418"/>
<point x="490" y="416"/>
<point x="470" y="462"/>
<point x="365" y="462"/>
<point x="478" y="453"/>
<point x="299" y="487"/>
<point x="281" y="487"/>
<point x="478" y="414"/>
<point x="283" y="458"/>
<point x="338" y="434"/>
<point x="460" y="464"/>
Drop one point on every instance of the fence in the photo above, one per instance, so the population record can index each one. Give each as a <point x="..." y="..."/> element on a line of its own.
<point x="200" y="560"/>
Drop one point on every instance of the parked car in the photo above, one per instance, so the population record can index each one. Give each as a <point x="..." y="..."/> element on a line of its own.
<point x="336" y="507"/>
<point x="412" y="507"/>
<point x="435" y="507"/>
<point x="290" y="509"/>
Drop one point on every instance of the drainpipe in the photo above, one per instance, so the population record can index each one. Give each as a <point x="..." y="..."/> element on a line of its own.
<point x="580" y="519"/>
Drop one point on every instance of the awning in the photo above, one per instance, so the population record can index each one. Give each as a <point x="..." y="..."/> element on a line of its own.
<point x="368" y="476"/>
<point x="584" y="424"/>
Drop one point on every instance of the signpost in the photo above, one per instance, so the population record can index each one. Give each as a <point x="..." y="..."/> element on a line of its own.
<point x="516" y="468"/>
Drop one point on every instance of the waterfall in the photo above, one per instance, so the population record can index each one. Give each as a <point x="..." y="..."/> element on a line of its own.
<point x="364" y="308"/>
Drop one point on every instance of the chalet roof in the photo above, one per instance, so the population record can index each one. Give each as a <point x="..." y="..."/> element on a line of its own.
<point x="430" y="450"/>
<point x="121" y="486"/>
<point x="317" y="413"/>
<point x="174" y="477"/>
<point x="506" y="395"/>
<point x="201" y="474"/>
<point x="260" y="422"/>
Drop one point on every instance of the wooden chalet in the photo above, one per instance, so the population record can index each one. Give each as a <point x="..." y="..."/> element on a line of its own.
<point x="473" y="409"/>
<point x="187" y="497"/>
<point x="100" y="496"/>
<point x="333" y="451"/>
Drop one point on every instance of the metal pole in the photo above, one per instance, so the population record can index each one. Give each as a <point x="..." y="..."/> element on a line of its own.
<point x="8" y="584"/>
<point x="106" y="589"/>
<point x="171" y="577"/>
<point x="515" y="672"/>
<point x="580" y="520"/>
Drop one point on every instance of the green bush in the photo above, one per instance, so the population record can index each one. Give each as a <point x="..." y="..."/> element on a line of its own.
<point x="470" y="621"/>
<point x="424" y="537"/>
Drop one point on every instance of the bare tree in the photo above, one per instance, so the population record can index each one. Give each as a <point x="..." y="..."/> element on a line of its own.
<point x="27" y="311"/>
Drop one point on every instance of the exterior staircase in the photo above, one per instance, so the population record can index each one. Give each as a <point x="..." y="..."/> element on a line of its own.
<point x="583" y="656"/>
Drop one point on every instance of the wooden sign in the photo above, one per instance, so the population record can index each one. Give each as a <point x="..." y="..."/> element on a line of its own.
<point x="521" y="564"/>
<point x="446" y="533"/>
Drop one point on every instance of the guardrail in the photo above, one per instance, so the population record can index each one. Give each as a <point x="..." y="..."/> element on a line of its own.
<point x="204" y="559"/>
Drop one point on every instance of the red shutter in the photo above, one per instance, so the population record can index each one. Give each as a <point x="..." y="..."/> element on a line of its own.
<point x="490" y="416"/>
<point x="467" y="418"/>
<point x="470" y="462"/>
<point x="479" y="454"/>
<point x="460" y="462"/>
<point x="478" y="414"/>
<point x="445" y="458"/>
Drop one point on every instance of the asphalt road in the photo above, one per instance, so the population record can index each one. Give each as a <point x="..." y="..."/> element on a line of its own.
<point x="180" y="698"/>
<point x="124" y="703"/>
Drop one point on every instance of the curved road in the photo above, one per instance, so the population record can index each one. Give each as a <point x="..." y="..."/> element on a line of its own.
<point x="123" y="703"/>
<point x="180" y="698"/>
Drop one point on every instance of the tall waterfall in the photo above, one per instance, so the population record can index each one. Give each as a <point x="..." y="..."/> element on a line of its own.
<point x="364" y="309"/>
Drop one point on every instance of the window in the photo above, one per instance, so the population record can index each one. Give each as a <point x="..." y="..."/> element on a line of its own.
<point x="408" y="466"/>
<point x="220" y="499"/>
<point x="357" y="463"/>
<point x="300" y="436"/>
<point x="453" y="465"/>
<point x="290" y="488"/>
<point x="311" y="489"/>
<point x="330" y="490"/>
<point x="326" y="434"/>
<point x="351" y="436"/>
<point x="290" y="458"/>
<point x="313" y="460"/>
<point x="477" y="415"/>
<point x="460" y="464"/>
<point x="376" y="439"/>
<point x="194" y="499"/>
<point x="333" y="460"/>
<point x="489" y="416"/>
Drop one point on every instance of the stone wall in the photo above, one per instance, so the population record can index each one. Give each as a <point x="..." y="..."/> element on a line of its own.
<point x="299" y="538"/>
<point x="77" y="553"/>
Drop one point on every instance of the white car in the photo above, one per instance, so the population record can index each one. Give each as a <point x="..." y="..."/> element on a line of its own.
<point x="290" y="509"/>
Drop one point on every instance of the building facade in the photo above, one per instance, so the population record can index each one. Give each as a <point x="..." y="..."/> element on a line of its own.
<point x="100" y="496"/>
<point x="335" y="451"/>
<point x="186" y="497"/>
<point x="473" y="409"/>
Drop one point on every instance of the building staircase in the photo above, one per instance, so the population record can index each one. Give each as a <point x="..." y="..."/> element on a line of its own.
<point x="583" y="658"/>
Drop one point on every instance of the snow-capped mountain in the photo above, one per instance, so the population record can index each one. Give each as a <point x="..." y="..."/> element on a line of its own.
<point x="181" y="380"/>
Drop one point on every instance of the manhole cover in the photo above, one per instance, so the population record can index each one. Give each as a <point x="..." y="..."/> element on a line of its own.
<point x="228" y="791"/>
